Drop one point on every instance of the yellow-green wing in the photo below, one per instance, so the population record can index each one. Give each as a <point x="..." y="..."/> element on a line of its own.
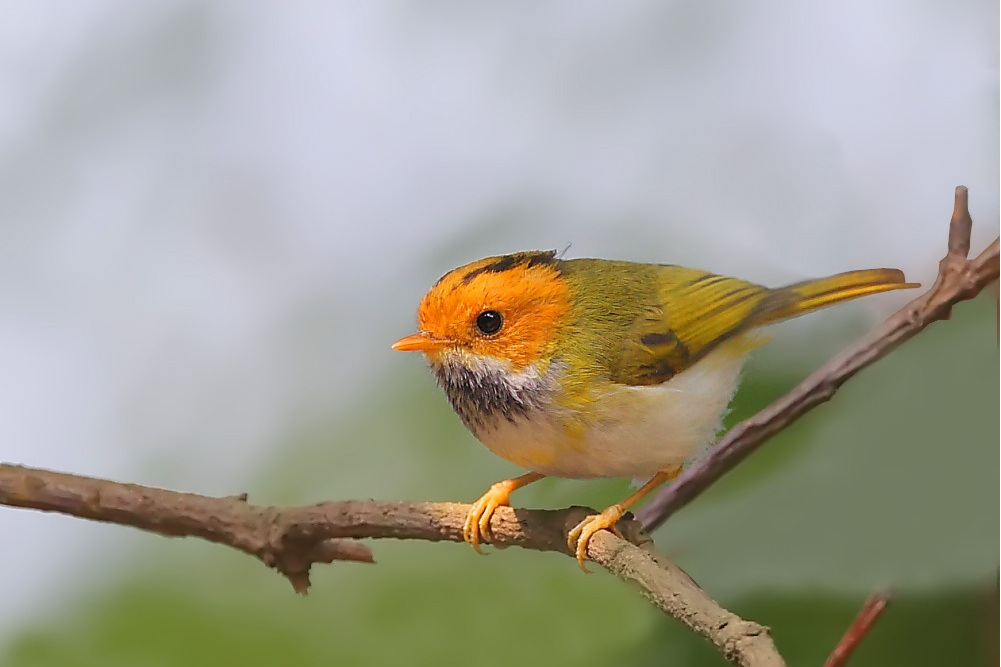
<point x="697" y="311"/>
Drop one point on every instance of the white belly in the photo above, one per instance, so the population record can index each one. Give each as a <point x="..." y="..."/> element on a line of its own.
<point x="629" y="431"/>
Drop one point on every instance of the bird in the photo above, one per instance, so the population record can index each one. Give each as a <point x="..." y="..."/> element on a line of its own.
<point x="593" y="368"/>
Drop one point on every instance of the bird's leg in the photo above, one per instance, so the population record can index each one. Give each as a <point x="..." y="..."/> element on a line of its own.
<point x="580" y="536"/>
<point x="477" y="526"/>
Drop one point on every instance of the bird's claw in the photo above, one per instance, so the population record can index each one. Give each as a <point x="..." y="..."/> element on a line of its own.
<point x="579" y="538"/>
<point x="476" y="529"/>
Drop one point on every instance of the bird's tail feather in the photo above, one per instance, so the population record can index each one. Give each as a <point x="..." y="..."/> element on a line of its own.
<point x="809" y="295"/>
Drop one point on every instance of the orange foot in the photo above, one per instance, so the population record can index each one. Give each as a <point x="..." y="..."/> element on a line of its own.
<point x="477" y="526"/>
<point x="580" y="536"/>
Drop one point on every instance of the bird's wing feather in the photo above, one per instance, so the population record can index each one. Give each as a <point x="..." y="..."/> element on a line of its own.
<point x="695" y="312"/>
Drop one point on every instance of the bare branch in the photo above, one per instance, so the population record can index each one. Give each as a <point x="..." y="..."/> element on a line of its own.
<point x="958" y="280"/>
<point x="292" y="539"/>
<point x="961" y="224"/>
<point x="874" y="605"/>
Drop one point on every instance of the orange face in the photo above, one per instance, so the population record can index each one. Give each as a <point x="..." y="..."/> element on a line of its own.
<point x="502" y="307"/>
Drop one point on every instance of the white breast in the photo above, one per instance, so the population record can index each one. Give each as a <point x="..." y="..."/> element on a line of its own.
<point x="630" y="431"/>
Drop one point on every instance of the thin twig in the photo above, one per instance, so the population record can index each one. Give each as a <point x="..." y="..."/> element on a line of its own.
<point x="874" y="605"/>
<point x="958" y="280"/>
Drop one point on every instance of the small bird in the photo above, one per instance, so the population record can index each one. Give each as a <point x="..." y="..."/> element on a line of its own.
<point x="588" y="368"/>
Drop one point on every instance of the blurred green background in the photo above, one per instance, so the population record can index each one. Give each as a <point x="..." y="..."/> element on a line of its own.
<point x="216" y="217"/>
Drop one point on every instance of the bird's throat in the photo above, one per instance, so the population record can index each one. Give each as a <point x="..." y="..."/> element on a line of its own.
<point x="483" y="391"/>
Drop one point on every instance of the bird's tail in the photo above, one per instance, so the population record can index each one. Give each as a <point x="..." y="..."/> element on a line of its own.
<point x="809" y="295"/>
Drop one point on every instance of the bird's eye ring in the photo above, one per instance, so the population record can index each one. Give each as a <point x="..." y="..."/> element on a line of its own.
<point x="489" y="322"/>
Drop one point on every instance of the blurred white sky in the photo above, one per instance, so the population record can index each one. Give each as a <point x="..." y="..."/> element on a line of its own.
<point x="214" y="217"/>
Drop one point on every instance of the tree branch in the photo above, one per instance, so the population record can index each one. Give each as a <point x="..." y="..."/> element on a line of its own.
<point x="871" y="610"/>
<point x="291" y="540"/>
<point x="958" y="279"/>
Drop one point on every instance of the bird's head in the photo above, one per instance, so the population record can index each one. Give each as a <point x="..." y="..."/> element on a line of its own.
<point x="505" y="309"/>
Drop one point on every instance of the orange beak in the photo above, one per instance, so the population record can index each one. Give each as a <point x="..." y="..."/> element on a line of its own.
<point x="419" y="342"/>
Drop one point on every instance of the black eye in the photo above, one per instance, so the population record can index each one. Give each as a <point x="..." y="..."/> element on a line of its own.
<point x="489" y="322"/>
